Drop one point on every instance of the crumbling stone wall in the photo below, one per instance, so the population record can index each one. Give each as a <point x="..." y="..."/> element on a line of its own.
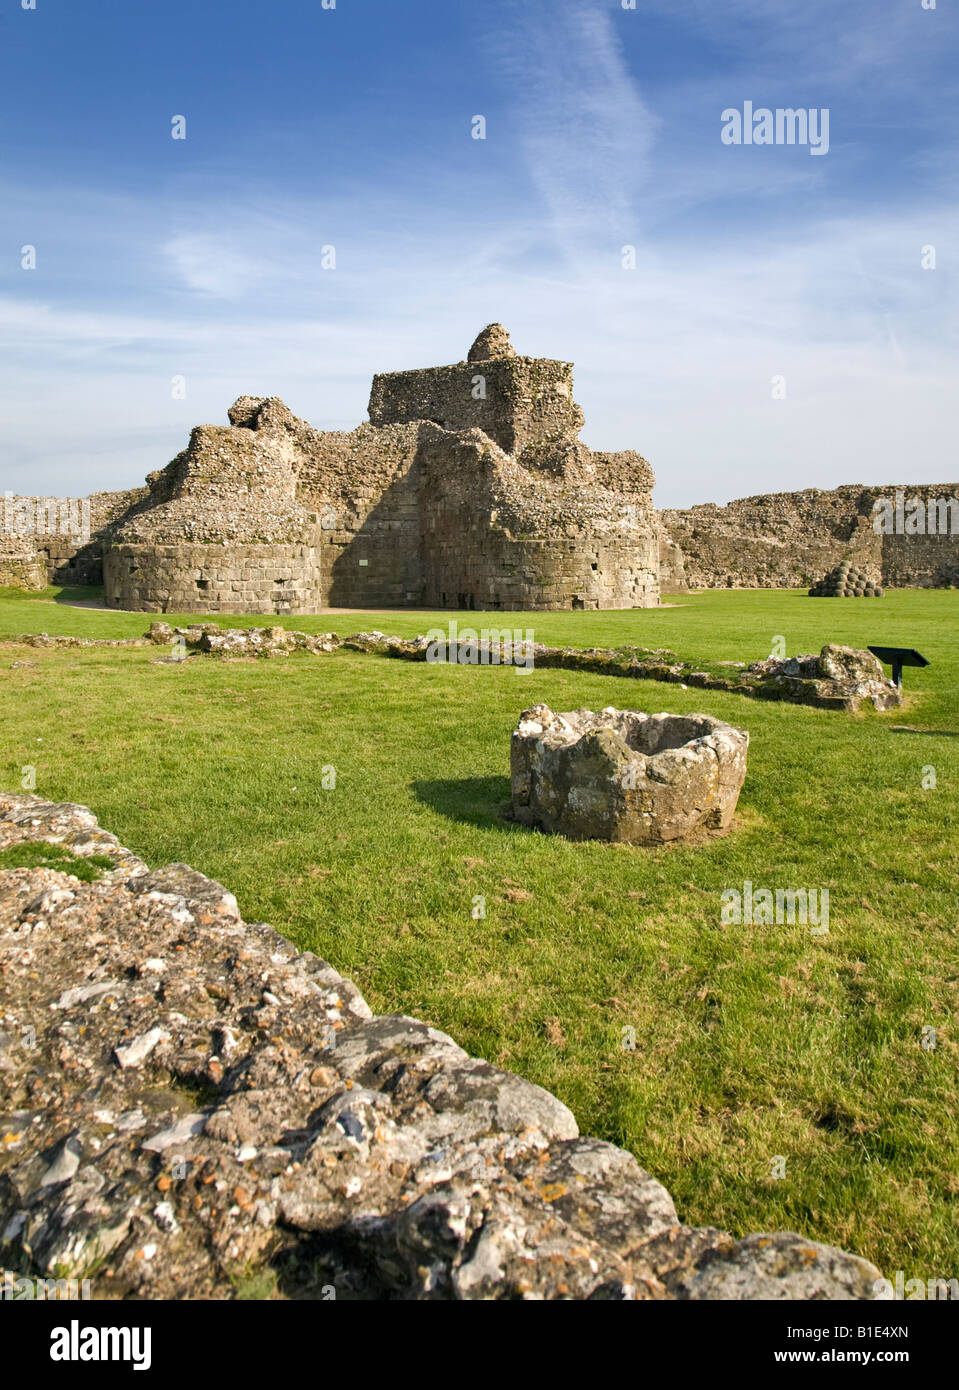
<point x="201" y="1102"/>
<point x="453" y="496"/>
<point x="791" y="539"/>
<point x="227" y="532"/>
<point x="47" y="534"/>
<point x="366" y="486"/>
<point x="516" y="401"/>
<point x="469" y="488"/>
<point x="924" y="562"/>
<point x="20" y="566"/>
<point x="672" y="568"/>
<point x="239" y="578"/>
<point x="540" y="531"/>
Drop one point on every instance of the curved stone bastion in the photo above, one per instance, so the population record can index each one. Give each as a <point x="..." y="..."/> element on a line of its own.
<point x="622" y="775"/>
<point x="188" y="1101"/>
<point x="211" y="578"/>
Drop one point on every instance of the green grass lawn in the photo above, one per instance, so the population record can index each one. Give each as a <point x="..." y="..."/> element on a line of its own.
<point x="750" y="1041"/>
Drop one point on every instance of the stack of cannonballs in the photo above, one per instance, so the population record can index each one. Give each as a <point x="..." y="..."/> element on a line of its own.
<point x="846" y="581"/>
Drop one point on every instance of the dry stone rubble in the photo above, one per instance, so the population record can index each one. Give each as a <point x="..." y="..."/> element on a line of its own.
<point x="845" y="675"/>
<point x="188" y="1102"/>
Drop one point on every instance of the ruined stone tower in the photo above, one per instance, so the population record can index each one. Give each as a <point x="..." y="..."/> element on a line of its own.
<point x="468" y="488"/>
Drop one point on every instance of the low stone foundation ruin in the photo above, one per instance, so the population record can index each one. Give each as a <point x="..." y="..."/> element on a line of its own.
<point x="845" y="674"/>
<point x="188" y="1102"/>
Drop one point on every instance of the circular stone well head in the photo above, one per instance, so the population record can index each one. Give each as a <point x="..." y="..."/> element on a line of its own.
<point x="622" y="775"/>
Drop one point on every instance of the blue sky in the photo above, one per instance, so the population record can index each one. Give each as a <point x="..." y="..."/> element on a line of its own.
<point x="351" y="127"/>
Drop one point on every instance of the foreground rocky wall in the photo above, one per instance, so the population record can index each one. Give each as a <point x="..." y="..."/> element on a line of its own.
<point x="189" y="1104"/>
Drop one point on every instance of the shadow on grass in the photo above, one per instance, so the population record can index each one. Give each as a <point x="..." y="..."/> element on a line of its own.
<point x="935" y="733"/>
<point x="475" y="800"/>
<point x="81" y="596"/>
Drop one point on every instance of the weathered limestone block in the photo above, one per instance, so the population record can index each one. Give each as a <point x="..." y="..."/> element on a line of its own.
<point x="202" y="1102"/>
<point x="850" y="665"/>
<point x="272" y="641"/>
<point x="844" y="676"/>
<point x="625" y="776"/>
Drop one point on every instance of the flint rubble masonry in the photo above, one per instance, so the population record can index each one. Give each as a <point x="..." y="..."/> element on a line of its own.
<point x="469" y="489"/>
<point x="390" y="1165"/>
<point x="790" y="540"/>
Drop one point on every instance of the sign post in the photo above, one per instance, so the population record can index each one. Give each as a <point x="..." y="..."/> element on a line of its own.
<point x="897" y="658"/>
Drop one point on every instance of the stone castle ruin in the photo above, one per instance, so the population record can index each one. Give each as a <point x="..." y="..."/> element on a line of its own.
<point x="468" y="488"/>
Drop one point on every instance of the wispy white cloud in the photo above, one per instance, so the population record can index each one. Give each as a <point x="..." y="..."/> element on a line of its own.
<point x="212" y="267"/>
<point x="838" y="44"/>
<point x="745" y="271"/>
<point x="585" y="128"/>
<point x="673" y="359"/>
